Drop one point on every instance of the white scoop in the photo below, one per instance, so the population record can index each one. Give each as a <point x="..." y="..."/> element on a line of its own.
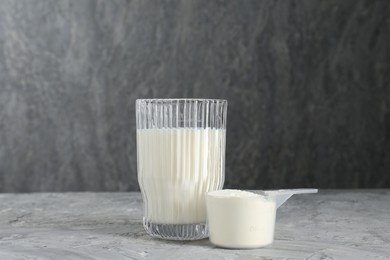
<point x="281" y="196"/>
<point x="242" y="219"/>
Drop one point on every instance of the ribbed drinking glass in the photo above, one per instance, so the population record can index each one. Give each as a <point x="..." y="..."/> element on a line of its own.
<point x="180" y="157"/>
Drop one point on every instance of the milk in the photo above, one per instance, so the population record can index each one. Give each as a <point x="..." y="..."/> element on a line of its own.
<point x="240" y="219"/>
<point x="176" y="167"/>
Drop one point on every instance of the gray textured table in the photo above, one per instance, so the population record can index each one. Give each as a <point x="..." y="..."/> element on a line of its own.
<point x="331" y="224"/>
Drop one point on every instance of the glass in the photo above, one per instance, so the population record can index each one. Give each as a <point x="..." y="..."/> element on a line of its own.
<point x="180" y="157"/>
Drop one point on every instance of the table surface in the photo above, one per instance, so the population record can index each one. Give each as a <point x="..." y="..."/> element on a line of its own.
<point x="331" y="224"/>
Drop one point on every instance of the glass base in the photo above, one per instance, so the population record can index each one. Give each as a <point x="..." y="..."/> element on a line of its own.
<point x="176" y="231"/>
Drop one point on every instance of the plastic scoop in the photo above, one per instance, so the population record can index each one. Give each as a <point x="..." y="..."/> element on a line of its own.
<point x="243" y="219"/>
<point x="281" y="196"/>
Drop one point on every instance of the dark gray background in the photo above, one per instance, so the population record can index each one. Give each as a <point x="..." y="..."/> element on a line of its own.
<point x="308" y="84"/>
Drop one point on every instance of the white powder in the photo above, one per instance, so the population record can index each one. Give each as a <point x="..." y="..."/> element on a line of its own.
<point x="235" y="193"/>
<point x="240" y="219"/>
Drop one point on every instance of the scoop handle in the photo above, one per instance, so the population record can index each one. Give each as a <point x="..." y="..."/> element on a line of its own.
<point x="281" y="196"/>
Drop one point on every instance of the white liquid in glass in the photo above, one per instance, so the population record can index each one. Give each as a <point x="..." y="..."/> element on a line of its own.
<point x="176" y="167"/>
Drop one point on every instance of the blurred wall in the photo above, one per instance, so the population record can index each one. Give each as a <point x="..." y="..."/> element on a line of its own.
<point x="308" y="84"/>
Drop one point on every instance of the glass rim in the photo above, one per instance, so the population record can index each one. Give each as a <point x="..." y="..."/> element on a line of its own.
<point x="180" y="99"/>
